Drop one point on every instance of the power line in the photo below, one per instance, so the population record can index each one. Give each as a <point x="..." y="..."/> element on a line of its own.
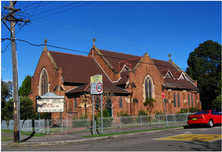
<point x="64" y="10"/>
<point x="35" y="10"/>
<point x="58" y="8"/>
<point x="63" y="48"/>
<point x="39" y="5"/>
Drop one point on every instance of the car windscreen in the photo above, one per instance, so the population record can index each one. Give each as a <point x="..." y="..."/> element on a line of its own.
<point x="201" y="112"/>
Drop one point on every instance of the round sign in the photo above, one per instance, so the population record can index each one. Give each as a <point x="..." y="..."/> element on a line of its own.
<point x="163" y="96"/>
<point x="99" y="87"/>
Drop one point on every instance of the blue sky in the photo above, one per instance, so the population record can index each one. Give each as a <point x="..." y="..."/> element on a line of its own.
<point x="155" y="27"/>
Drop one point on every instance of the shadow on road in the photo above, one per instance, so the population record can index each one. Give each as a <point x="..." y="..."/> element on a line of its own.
<point x="199" y="126"/>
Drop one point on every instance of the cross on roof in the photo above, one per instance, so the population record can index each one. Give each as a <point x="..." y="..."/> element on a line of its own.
<point x="169" y="56"/>
<point x="45" y="41"/>
<point x="94" y="40"/>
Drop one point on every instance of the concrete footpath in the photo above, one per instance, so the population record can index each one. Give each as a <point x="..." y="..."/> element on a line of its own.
<point x="78" y="137"/>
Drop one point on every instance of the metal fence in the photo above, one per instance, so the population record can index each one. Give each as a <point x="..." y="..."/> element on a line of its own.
<point x="67" y="126"/>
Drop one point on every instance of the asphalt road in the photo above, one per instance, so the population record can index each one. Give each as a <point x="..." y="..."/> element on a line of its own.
<point x="143" y="142"/>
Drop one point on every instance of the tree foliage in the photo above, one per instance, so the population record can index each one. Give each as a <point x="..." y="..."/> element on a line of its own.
<point x="6" y="94"/>
<point x="26" y="109"/>
<point x="204" y="65"/>
<point x="26" y="86"/>
<point x="6" y="91"/>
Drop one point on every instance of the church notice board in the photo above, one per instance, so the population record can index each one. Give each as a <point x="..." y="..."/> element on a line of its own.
<point x="50" y="103"/>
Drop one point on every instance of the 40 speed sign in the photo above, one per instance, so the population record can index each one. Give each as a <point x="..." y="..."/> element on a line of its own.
<point x="96" y="84"/>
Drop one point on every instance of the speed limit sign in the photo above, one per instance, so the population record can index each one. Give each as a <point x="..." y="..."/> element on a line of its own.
<point x="99" y="87"/>
<point x="96" y="84"/>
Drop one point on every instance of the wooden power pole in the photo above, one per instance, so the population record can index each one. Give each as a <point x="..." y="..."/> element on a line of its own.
<point x="10" y="17"/>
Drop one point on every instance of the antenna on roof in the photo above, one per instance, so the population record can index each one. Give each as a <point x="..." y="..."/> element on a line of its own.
<point x="94" y="40"/>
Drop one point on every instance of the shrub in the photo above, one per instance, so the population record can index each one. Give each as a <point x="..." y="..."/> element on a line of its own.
<point x="106" y="122"/>
<point x="149" y="102"/>
<point x="80" y="122"/>
<point x="144" y="119"/>
<point x="194" y="109"/>
<point x="125" y="120"/>
<point x="159" y="115"/>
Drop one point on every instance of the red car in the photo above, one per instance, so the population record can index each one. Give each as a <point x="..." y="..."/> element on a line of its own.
<point x="208" y="117"/>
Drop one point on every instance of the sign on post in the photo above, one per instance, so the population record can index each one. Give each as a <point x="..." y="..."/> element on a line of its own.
<point x="163" y="96"/>
<point x="96" y="84"/>
<point x="96" y="87"/>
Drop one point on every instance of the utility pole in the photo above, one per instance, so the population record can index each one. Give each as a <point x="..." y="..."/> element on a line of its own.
<point x="10" y="17"/>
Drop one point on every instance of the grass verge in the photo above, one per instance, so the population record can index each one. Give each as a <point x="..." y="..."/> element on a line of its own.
<point x="23" y="133"/>
<point x="5" y="138"/>
<point x="119" y="133"/>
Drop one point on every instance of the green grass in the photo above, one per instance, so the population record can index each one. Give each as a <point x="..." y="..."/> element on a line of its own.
<point x="5" y="138"/>
<point x="119" y="133"/>
<point x="23" y="133"/>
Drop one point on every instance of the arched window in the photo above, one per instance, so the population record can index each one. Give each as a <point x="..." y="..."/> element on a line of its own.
<point x="120" y="102"/>
<point x="178" y="99"/>
<point x="44" y="88"/>
<point x="188" y="100"/>
<point x="174" y="99"/>
<point x="148" y="88"/>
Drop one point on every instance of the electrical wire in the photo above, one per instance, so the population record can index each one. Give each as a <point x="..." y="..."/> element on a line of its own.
<point x="35" y="10"/>
<point x="86" y="31"/>
<point x="63" y="48"/>
<point x="58" y="8"/>
<point x="64" y="10"/>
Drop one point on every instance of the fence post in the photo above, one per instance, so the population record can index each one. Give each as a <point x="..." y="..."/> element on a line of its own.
<point x="43" y="126"/>
<point x="174" y="118"/>
<point x="120" y="122"/>
<point x="159" y="119"/>
<point x="47" y="122"/>
<point x="141" y="120"/>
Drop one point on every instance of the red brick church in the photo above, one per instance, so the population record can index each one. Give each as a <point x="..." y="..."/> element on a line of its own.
<point x="128" y="80"/>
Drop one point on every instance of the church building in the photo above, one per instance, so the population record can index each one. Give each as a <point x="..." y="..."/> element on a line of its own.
<point x="128" y="80"/>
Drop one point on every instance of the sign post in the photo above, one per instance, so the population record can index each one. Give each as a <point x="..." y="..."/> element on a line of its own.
<point x="96" y="87"/>
<point x="163" y="96"/>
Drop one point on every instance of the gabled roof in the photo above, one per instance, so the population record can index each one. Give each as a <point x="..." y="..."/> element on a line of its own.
<point x="78" y="69"/>
<point x="165" y="66"/>
<point x="114" y="58"/>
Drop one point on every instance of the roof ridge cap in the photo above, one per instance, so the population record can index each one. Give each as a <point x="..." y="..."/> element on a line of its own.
<point x="119" y="52"/>
<point x="70" y="54"/>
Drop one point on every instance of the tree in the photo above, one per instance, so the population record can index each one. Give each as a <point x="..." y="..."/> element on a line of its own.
<point x="6" y="93"/>
<point x="204" y="65"/>
<point x="26" y="86"/>
<point x="217" y="102"/>
<point x="7" y="112"/>
<point x="26" y="109"/>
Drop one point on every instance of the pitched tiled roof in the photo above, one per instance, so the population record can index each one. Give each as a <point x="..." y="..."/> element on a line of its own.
<point x="114" y="58"/>
<point x="106" y="88"/>
<point x="124" y="78"/>
<point x="78" y="69"/>
<point x="164" y="66"/>
<point x="179" y="84"/>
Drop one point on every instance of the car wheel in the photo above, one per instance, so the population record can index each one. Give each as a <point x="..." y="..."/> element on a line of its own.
<point x="210" y="123"/>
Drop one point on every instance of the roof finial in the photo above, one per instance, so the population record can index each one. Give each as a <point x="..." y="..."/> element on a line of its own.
<point x="94" y="40"/>
<point x="169" y="56"/>
<point x="45" y="41"/>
